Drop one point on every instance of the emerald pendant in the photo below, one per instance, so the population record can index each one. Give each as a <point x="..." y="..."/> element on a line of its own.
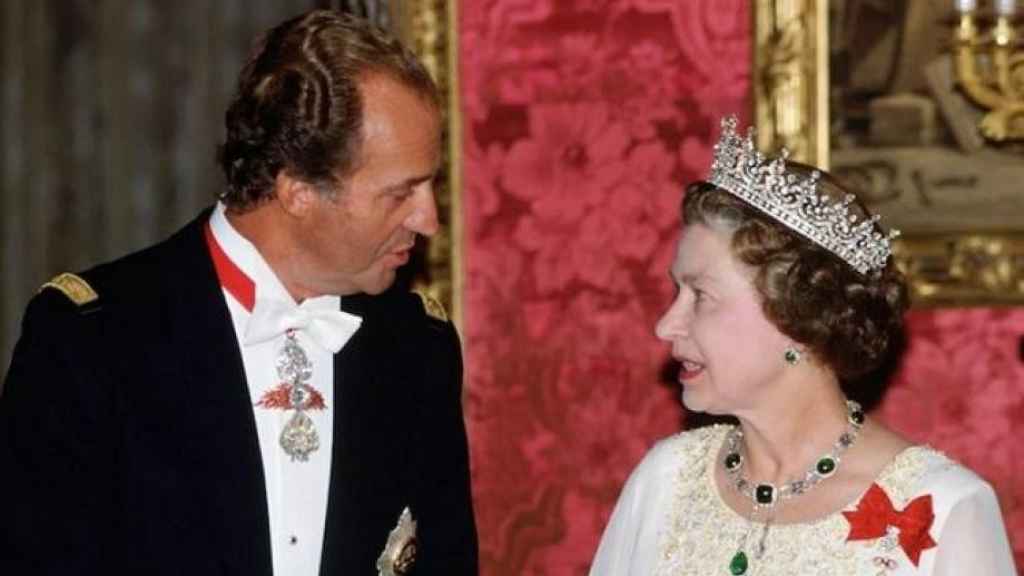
<point x="738" y="565"/>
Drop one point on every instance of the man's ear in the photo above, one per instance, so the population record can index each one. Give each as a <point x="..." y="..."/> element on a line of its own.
<point x="296" y="197"/>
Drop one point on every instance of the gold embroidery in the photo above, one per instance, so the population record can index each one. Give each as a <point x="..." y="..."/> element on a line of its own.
<point x="433" y="307"/>
<point x="74" y="287"/>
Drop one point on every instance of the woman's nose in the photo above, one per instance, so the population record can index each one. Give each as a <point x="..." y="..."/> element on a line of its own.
<point x="674" y="323"/>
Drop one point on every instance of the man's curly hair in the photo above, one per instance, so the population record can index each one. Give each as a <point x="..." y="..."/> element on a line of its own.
<point x="298" y="105"/>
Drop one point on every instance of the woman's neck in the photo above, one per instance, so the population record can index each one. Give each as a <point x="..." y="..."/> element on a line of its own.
<point x="783" y="438"/>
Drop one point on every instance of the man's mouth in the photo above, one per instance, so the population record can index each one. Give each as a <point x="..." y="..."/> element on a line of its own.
<point x="401" y="254"/>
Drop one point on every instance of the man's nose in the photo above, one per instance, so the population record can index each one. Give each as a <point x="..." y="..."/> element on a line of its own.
<point x="423" y="219"/>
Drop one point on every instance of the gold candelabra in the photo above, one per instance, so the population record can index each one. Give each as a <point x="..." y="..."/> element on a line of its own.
<point x="990" y="66"/>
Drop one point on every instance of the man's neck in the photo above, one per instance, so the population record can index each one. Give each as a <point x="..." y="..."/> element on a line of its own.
<point x="267" y="228"/>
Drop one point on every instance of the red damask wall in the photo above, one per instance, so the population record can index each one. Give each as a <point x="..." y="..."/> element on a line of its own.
<point x="582" y="121"/>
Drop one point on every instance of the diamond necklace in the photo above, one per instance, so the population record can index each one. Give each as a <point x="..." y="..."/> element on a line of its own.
<point x="765" y="496"/>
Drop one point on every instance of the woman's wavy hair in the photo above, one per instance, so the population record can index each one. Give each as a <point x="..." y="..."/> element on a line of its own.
<point x="298" y="106"/>
<point x="848" y="320"/>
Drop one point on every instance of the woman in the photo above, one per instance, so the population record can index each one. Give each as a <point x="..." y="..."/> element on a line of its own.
<point x="787" y="289"/>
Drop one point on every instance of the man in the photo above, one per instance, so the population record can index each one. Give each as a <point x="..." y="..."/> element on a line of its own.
<point x="251" y="396"/>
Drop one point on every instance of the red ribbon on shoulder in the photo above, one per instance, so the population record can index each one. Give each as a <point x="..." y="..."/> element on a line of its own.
<point x="875" y="513"/>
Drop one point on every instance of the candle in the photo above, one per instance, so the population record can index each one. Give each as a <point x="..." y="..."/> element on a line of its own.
<point x="1006" y="7"/>
<point x="964" y="6"/>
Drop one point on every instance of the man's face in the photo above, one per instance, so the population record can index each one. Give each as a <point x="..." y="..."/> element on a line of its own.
<point x="355" y="241"/>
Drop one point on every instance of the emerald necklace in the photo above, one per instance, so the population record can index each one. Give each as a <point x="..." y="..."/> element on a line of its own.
<point x="765" y="496"/>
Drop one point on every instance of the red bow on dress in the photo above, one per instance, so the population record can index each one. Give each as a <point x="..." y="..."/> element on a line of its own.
<point x="875" y="513"/>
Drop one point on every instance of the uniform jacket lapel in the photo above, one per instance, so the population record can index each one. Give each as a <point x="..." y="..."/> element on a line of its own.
<point x="369" y="485"/>
<point x="349" y="368"/>
<point x="222" y="427"/>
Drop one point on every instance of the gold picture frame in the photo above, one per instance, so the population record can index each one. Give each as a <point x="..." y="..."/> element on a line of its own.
<point x="428" y="27"/>
<point x="790" y="83"/>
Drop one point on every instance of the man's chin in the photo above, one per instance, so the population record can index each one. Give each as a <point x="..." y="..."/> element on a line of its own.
<point x="379" y="284"/>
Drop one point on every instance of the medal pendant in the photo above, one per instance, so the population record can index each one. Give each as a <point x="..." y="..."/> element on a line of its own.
<point x="299" y="438"/>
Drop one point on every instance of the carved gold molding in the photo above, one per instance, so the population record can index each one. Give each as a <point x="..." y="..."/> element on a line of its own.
<point x="995" y="87"/>
<point x="790" y="84"/>
<point x="790" y="78"/>
<point x="956" y="269"/>
<point x="429" y="28"/>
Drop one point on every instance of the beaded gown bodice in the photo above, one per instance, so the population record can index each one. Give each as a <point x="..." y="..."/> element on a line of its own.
<point x="671" y="520"/>
<point x="703" y="532"/>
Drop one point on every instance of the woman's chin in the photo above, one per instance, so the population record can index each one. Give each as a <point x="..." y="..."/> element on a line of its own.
<point x="693" y="401"/>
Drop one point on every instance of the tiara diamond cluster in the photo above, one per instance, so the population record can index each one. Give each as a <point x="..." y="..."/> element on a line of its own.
<point x="739" y="168"/>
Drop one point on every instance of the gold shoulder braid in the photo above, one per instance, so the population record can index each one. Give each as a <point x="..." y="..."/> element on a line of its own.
<point x="434" y="308"/>
<point x="74" y="287"/>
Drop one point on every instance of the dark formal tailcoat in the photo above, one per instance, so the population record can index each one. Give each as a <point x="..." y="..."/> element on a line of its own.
<point x="128" y="443"/>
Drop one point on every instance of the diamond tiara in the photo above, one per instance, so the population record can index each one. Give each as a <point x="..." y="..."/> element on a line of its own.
<point x="741" y="170"/>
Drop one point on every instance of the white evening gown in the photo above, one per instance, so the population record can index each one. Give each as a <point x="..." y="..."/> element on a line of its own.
<point x="671" y="520"/>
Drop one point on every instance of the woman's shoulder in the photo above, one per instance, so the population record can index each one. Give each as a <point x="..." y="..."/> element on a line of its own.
<point x="959" y="506"/>
<point x="670" y="465"/>
<point x="690" y="442"/>
<point x="920" y="470"/>
<point x="683" y="450"/>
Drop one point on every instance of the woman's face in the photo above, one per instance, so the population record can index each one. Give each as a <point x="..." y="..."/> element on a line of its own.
<point x="730" y="354"/>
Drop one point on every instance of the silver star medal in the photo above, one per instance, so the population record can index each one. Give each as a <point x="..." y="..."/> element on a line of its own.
<point x="299" y="437"/>
<point x="399" y="553"/>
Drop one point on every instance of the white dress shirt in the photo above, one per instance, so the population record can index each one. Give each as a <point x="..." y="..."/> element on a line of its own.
<point x="296" y="490"/>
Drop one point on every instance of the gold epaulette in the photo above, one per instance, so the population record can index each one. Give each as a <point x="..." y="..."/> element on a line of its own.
<point x="434" y="308"/>
<point x="74" y="287"/>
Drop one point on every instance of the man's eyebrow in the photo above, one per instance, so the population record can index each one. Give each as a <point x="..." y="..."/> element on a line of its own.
<point x="411" y="181"/>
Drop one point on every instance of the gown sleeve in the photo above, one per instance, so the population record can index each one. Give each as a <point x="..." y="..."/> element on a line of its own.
<point x="631" y="539"/>
<point x="973" y="538"/>
<point x="618" y="544"/>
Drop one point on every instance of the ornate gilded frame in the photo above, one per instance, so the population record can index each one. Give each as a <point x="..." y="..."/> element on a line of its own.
<point x="790" y="89"/>
<point x="428" y="26"/>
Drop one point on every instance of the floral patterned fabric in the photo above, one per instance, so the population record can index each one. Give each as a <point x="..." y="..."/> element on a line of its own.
<point x="582" y="121"/>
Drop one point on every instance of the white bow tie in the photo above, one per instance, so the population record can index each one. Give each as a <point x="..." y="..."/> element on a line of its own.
<point x="329" y="327"/>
